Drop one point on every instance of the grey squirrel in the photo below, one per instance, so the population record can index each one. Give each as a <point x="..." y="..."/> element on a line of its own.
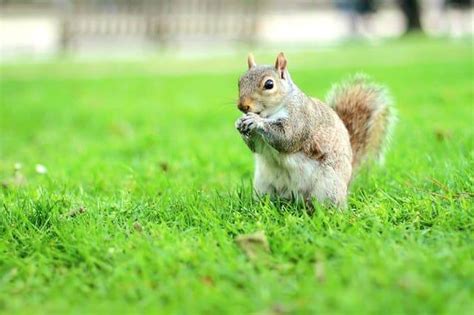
<point x="304" y="148"/>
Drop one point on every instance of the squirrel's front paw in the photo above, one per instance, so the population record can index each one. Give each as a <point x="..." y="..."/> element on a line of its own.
<point x="248" y="122"/>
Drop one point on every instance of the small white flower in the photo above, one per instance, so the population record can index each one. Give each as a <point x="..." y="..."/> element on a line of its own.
<point x="41" y="169"/>
<point x="17" y="166"/>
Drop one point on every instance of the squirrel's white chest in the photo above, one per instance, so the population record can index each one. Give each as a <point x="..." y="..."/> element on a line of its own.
<point x="285" y="175"/>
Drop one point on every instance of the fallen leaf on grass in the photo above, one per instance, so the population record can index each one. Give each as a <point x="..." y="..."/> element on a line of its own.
<point x="442" y="135"/>
<point x="138" y="227"/>
<point x="75" y="212"/>
<point x="207" y="280"/>
<point x="17" y="179"/>
<point x="254" y="245"/>
<point x="164" y="166"/>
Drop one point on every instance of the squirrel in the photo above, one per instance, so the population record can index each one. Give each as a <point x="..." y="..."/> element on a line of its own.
<point x="305" y="148"/>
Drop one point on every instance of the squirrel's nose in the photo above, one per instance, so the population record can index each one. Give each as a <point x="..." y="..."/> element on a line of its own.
<point x="244" y="104"/>
<point x="243" y="108"/>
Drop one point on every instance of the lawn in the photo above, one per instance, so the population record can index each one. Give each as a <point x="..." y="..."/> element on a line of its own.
<point x="148" y="185"/>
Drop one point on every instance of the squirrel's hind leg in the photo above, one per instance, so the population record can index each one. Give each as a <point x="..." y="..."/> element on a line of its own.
<point x="330" y="189"/>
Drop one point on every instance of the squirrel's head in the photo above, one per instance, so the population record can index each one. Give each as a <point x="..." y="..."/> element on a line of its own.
<point x="262" y="89"/>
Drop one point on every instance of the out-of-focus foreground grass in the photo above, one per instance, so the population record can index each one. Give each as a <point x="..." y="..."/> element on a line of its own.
<point x="148" y="184"/>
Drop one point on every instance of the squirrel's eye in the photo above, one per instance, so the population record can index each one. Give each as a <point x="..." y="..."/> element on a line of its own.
<point x="268" y="85"/>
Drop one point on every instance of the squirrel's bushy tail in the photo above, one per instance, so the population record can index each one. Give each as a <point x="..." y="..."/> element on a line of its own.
<point x="367" y="112"/>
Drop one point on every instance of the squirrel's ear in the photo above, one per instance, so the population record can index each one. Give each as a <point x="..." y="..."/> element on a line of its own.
<point x="280" y="64"/>
<point x="251" y="61"/>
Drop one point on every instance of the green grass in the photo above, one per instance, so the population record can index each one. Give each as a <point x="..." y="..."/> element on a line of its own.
<point x="149" y="150"/>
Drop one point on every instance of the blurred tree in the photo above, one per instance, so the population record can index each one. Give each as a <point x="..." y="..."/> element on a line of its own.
<point x="411" y="10"/>
<point x="462" y="4"/>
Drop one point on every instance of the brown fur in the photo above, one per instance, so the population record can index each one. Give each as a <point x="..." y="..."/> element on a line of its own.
<point x="366" y="111"/>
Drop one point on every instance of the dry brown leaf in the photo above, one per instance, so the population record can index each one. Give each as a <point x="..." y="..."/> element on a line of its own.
<point x="138" y="227"/>
<point x="164" y="166"/>
<point x="16" y="180"/>
<point x="207" y="280"/>
<point x="443" y="135"/>
<point x="254" y="245"/>
<point x="75" y="212"/>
